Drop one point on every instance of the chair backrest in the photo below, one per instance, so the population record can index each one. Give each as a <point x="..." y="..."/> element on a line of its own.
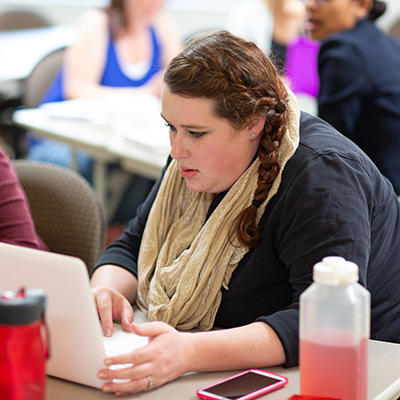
<point x="395" y="29"/>
<point x="21" y="19"/>
<point x="65" y="209"/>
<point x="39" y="80"/>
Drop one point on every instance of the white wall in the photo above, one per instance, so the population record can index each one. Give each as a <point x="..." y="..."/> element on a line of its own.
<point x="190" y="15"/>
<point x="391" y="15"/>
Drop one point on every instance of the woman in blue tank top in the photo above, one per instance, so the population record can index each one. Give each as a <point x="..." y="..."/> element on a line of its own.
<point x="120" y="50"/>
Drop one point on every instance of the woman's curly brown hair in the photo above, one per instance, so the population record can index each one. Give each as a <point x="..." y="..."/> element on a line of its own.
<point x="242" y="82"/>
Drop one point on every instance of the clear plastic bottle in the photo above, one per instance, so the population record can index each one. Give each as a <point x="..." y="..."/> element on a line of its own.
<point x="334" y="332"/>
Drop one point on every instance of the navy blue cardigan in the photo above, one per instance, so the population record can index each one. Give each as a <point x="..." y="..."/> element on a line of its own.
<point x="359" y="72"/>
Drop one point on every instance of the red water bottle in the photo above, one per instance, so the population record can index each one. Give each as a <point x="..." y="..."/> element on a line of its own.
<point x="23" y="345"/>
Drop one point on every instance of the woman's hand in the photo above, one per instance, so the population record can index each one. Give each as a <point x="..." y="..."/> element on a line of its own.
<point x="112" y="306"/>
<point x="114" y="290"/>
<point x="166" y="357"/>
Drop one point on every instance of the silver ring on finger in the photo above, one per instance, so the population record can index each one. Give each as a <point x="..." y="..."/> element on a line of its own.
<point x="150" y="382"/>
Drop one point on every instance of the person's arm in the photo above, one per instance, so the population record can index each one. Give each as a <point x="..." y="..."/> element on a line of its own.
<point x="236" y="348"/>
<point x="114" y="278"/>
<point x="325" y="212"/>
<point x="289" y="18"/>
<point x="16" y="224"/>
<point x="171" y="353"/>
<point x="114" y="289"/>
<point x="344" y="85"/>
<point x="85" y="59"/>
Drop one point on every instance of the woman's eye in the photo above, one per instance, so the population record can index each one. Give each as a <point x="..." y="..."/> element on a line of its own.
<point x="197" y="134"/>
<point x="193" y="133"/>
<point x="169" y="126"/>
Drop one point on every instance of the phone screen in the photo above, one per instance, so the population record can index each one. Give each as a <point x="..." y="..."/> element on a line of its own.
<point x="242" y="385"/>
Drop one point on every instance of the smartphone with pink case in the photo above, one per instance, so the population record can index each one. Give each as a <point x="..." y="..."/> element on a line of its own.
<point x="245" y="385"/>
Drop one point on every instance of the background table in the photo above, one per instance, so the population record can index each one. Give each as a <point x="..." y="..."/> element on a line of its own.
<point x="99" y="142"/>
<point x="383" y="381"/>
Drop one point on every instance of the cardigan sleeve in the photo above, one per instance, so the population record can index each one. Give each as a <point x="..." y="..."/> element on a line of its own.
<point x="344" y="85"/>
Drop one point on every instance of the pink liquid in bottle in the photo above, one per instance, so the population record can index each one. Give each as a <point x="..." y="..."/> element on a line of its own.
<point x="338" y="370"/>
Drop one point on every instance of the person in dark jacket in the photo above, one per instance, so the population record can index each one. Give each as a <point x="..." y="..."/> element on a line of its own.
<point x="254" y="194"/>
<point x="359" y="73"/>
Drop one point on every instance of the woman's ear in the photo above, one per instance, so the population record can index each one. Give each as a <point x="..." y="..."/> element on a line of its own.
<point x="365" y="8"/>
<point x="256" y="125"/>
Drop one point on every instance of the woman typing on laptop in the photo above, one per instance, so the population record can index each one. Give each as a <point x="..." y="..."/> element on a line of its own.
<point x="254" y="194"/>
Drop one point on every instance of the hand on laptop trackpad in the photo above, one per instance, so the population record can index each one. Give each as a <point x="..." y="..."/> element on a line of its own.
<point x="122" y="342"/>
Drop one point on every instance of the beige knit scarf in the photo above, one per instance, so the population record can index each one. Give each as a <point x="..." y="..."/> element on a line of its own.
<point x="184" y="262"/>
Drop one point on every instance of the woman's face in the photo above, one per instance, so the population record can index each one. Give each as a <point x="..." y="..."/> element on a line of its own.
<point x="325" y="17"/>
<point x="146" y="9"/>
<point x="211" y="154"/>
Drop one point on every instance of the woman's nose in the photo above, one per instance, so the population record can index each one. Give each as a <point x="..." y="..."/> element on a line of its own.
<point x="178" y="147"/>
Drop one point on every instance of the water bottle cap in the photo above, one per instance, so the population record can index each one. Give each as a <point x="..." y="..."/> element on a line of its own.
<point x="335" y="270"/>
<point x="20" y="307"/>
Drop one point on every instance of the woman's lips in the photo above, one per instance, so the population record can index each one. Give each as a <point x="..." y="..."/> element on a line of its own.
<point x="311" y="24"/>
<point x="188" y="173"/>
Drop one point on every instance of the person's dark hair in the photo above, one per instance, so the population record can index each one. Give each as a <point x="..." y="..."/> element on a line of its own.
<point x="378" y="8"/>
<point x="242" y="82"/>
<point x="116" y="12"/>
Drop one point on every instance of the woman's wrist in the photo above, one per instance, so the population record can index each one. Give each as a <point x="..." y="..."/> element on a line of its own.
<point x="115" y="278"/>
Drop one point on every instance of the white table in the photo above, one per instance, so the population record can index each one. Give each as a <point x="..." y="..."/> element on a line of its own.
<point x="383" y="381"/>
<point x="98" y="140"/>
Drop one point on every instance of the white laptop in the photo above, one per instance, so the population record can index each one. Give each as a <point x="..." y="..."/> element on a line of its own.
<point x="77" y="344"/>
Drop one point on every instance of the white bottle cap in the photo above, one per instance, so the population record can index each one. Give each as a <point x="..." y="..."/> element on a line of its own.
<point x="335" y="270"/>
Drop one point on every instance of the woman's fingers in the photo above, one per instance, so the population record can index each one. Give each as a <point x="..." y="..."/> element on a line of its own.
<point x="104" y="308"/>
<point x="112" y="306"/>
<point x="133" y="372"/>
<point x="122" y="388"/>
<point x="149" y="366"/>
<point x="151" y="329"/>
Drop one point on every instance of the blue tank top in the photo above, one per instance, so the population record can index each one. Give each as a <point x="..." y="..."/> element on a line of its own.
<point x="112" y="74"/>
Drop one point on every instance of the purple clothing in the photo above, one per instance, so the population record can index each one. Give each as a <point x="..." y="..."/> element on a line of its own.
<point x="301" y="66"/>
<point x="16" y="224"/>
